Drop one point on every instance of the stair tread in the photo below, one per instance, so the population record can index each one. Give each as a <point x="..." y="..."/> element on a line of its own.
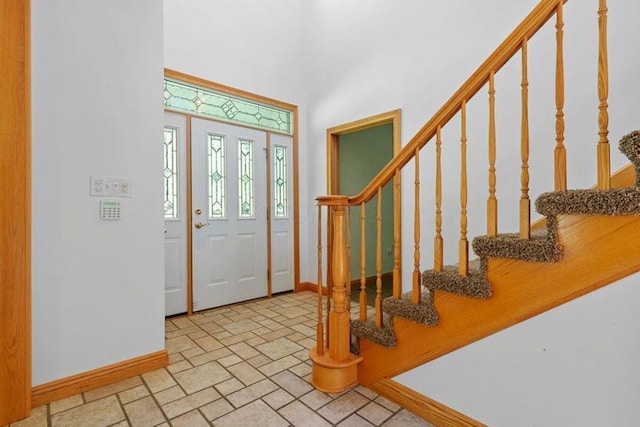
<point x="618" y="201"/>
<point x="540" y="247"/>
<point x="474" y="284"/>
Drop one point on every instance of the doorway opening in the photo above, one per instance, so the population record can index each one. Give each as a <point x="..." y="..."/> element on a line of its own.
<point x="356" y="152"/>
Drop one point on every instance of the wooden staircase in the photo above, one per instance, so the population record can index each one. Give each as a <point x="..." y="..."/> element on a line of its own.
<point x="591" y="250"/>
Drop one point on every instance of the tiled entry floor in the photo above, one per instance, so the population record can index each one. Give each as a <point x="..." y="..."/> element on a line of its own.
<point x="242" y="365"/>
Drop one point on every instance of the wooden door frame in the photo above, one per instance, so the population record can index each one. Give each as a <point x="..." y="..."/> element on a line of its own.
<point x="177" y="75"/>
<point x="333" y="172"/>
<point x="15" y="223"/>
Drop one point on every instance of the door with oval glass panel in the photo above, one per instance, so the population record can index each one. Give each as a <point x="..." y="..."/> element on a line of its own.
<point x="229" y="218"/>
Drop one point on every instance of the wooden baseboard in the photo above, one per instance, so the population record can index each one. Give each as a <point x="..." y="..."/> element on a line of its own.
<point x="426" y="408"/>
<point x="310" y="287"/>
<point x="106" y="375"/>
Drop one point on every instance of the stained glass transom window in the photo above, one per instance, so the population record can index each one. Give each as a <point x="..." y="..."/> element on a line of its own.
<point x="193" y="99"/>
<point x="280" y="181"/>
<point x="245" y="178"/>
<point x="171" y="210"/>
<point x="215" y="152"/>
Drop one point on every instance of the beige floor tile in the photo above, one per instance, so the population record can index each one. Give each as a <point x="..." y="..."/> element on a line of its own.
<point x="238" y="327"/>
<point x="178" y="344"/>
<point x="181" y="332"/>
<point x="201" y="377"/>
<point x="246" y="373"/>
<point x="233" y="339"/>
<point x="315" y="399"/>
<point x="292" y="312"/>
<point x="201" y="359"/>
<point x="278" y="348"/>
<point x="343" y="406"/>
<point x="191" y="419"/>
<point x="292" y="383"/>
<point x="274" y="367"/>
<point x="355" y="420"/>
<point x="301" y="369"/>
<point x="189" y="403"/>
<point x="375" y="413"/>
<point x="175" y="358"/>
<point x="183" y="365"/>
<point x="169" y="395"/>
<point x="64" y="404"/>
<point x="278" y="399"/>
<point x="251" y="393"/>
<point x="300" y="415"/>
<point x="158" y="380"/>
<point x="133" y="394"/>
<point x="216" y="409"/>
<point x="244" y="350"/>
<point x="193" y="352"/>
<point x="229" y="386"/>
<point x="259" y="361"/>
<point x="307" y="343"/>
<point x="304" y="330"/>
<point x="99" y="413"/>
<point x="144" y="412"/>
<point x="278" y="333"/>
<point x="182" y="322"/>
<point x="393" y="407"/>
<point x="272" y="324"/>
<point x="366" y="392"/>
<point x="405" y="418"/>
<point x="255" y="341"/>
<point x="229" y="360"/>
<point x="108" y="390"/>
<point x="257" y="413"/>
<point x="208" y="343"/>
<point x="38" y="418"/>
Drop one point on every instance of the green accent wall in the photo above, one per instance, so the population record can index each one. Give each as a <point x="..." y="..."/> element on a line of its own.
<point x="361" y="156"/>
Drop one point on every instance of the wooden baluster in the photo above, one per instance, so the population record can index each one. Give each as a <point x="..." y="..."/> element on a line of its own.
<point x="378" y="304"/>
<point x="397" y="220"/>
<point x="463" y="246"/>
<point x="560" y="152"/>
<point x="525" y="203"/>
<point x="339" y="316"/>
<point x="348" y="288"/>
<point x="492" y="202"/>
<point x="415" y="290"/>
<point x="363" y="266"/>
<point x="320" y="325"/>
<point x="604" y="166"/>
<point x="438" y="252"/>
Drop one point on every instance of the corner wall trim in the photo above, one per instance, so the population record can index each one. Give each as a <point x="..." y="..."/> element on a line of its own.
<point x="310" y="287"/>
<point x="106" y="375"/>
<point x="421" y="405"/>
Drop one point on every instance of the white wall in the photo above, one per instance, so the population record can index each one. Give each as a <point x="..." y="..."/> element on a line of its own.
<point x="256" y="46"/>
<point x="575" y="365"/>
<point x="98" y="286"/>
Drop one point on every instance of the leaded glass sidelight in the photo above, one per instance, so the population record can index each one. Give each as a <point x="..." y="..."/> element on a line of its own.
<point x="280" y="181"/>
<point x="171" y="210"/>
<point x="188" y="98"/>
<point x="215" y="153"/>
<point x="245" y="179"/>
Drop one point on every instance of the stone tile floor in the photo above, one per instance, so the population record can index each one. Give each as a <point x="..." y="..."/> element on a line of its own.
<point x="241" y="365"/>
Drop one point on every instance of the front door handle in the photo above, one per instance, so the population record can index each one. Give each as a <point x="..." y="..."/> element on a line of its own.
<point x="200" y="225"/>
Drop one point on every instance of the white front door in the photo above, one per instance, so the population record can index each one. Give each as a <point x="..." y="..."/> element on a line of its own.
<point x="175" y="213"/>
<point x="228" y="198"/>
<point x="281" y="149"/>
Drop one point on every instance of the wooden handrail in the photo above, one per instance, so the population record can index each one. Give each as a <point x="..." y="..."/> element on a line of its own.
<point x="509" y="47"/>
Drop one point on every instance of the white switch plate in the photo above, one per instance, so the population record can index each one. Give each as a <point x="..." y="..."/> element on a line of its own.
<point x="110" y="187"/>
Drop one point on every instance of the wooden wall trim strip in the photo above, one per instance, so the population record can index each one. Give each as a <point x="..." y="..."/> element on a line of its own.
<point x="106" y="375"/>
<point x="15" y="222"/>
<point x="432" y="411"/>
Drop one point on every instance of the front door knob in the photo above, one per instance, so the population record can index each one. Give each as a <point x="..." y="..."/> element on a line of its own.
<point x="200" y="225"/>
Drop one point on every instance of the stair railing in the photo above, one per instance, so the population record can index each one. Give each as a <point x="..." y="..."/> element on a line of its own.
<point x="336" y="334"/>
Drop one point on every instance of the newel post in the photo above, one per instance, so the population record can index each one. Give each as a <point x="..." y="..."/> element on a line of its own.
<point x="335" y="368"/>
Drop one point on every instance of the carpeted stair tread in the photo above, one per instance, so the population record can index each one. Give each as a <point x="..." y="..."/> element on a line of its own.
<point x="383" y="336"/>
<point x="541" y="247"/>
<point x="619" y="201"/>
<point x="630" y="147"/>
<point x="474" y="284"/>
<point x="424" y="312"/>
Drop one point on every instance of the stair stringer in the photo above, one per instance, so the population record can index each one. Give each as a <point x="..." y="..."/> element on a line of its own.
<point x="598" y="250"/>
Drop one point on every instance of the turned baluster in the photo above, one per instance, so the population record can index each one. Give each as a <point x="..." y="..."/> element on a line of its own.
<point x="363" y="266"/>
<point x="525" y="203"/>
<point x="348" y="278"/>
<point x="604" y="167"/>
<point x="463" y="246"/>
<point x="397" y="220"/>
<point x="560" y="152"/>
<point x="492" y="202"/>
<point x="438" y="253"/>
<point x="415" y="290"/>
<point x="378" y="302"/>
